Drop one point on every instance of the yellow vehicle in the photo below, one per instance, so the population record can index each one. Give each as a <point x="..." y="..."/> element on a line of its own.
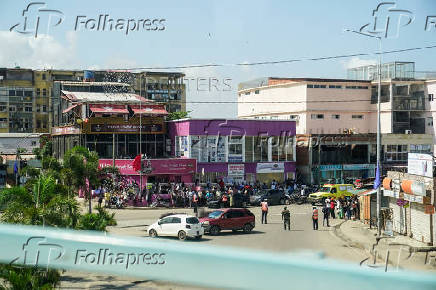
<point x="331" y="190"/>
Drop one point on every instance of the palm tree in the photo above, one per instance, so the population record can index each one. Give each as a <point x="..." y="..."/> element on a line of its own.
<point x="84" y="169"/>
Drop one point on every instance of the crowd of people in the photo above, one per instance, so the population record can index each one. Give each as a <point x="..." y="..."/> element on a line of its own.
<point x="184" y="195"/>
<point x="348" y="209"/>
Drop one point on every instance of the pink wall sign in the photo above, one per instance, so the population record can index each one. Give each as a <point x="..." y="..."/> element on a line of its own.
<point x="174" y="166"/>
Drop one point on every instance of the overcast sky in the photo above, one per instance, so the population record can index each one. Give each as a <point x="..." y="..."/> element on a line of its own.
<point x="223" y="32"/>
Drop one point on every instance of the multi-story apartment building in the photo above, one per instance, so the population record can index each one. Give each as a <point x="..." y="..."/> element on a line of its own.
<point x="28" y="97"/>
<point x="16" y="100"/>
<point x="329" y="112"/>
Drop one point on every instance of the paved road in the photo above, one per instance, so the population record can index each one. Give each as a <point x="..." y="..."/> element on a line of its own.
<point x="267" y="237"/>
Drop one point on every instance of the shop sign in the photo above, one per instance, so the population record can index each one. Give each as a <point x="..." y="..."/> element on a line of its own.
<point x="429" y="209"/>
<point x="420" y="164"/>
<point x="413" y="198"/>
<point x="358" y="166"/>
<point x="70" y="130"/>
<point x="330" y="167"/>
<point x="235" y="158"/>
<point x="236" y="170"/>
<point x="418" y="188"/>
<point x="274" y="167"/>
<point x="157" y="166"/>
<point x="124" y="128"/>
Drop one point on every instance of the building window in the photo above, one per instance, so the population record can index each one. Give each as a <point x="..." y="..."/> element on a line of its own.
<point x="12" y="93"/>
<point x="319" y="86"/>
<point x="421" y="148"/>
<point x="317" y="116"/>
<point x="43" y="76"/>
<point x="19" y="93"/>
<point x="38" y="92"/>
<point x="337" y="117"/>
<point x="12" y="109"/>
<point x="335" y="87"/>
<point x="293" y="117"/>
<point x="274" y="117"/>
<point x="430" y="98"/>
<point x="395" y="153"/>
<point x="28" y="93"/>
<point x="44" y="92"/>
<point x="44" y="108"/>
<point x="256" y="92"/>
<point x="3" y="108"/>
<point x="310" y="86"/>
<point x="357" y="116"/>
<point x="28" y="109"/>
<point x="247" y="93"/>
<point x="33" y="143"/>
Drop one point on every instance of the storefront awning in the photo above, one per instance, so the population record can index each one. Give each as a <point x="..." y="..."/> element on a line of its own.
<point x="108" y="109"/>
<point x="69" y="109"/>
<point x="149" y="110"/>
<point x="363" y="192"/>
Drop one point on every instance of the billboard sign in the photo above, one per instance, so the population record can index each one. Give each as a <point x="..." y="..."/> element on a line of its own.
<point x="420" y="164"/>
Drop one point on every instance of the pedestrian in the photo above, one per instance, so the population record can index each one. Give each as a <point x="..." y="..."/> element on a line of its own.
<point x="326" y="213"/>
<point x="349" y="210"/>
<point x="195" y="203"/>
<point x="315" y="218"/>
<point x="286" y="218"/>
<point x="100" y="199"/>
<point x="332" y="208"/>
<point x="264" y="206"/>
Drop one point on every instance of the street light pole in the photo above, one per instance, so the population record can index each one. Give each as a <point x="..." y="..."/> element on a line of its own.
<point x="379" y="140"/>
<point x="140" y="132"/>
<point x="378" y="129"/>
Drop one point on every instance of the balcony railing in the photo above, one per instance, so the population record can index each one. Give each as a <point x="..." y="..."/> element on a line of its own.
<point x="413" y="103"/>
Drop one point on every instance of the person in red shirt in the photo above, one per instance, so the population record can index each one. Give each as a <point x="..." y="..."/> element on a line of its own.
<point x="264" y="206"/>
<point x="332" y="208"/>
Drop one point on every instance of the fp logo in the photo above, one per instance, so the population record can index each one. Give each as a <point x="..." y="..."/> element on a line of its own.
<point x="387" y="21"/>
<point x="34" y="16"/>
<point x="37" y="251"/>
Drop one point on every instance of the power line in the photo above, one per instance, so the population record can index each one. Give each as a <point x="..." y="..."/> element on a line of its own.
<point x="279" y="61"/>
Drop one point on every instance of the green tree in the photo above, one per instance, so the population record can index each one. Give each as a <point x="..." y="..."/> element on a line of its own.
<point x="178" y="115"/>
<point x="84" y="170"/>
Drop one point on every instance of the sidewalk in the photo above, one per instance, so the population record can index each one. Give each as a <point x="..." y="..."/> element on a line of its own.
<point x="359" y="235"/>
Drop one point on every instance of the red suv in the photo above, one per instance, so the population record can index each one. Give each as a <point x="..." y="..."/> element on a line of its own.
<point x="228" y="219"/>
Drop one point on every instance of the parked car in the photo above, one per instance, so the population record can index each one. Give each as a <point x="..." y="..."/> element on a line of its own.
<point x="239" y="200"/>
<point x="177" y="225"/>
<point x="228" y="219"/>
<point x="274" y="196"/>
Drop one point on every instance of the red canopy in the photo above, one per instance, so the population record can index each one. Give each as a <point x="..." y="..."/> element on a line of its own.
<point x="108" y="109"/>
<point x="69" y="108"/>
<point x="149" y="109"/>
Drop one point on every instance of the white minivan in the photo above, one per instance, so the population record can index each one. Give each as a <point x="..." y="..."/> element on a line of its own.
<point x="177" y="225"/>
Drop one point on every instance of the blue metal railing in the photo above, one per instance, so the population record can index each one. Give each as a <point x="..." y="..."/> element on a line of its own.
<point x="191" y="262"/>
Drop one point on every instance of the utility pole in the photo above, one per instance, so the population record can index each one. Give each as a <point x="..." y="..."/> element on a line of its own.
<point x="379" y="170"/>
<point x="379" y="140"/>
<point x="140" y="131"/>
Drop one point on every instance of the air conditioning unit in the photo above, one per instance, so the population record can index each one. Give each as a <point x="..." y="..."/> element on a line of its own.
<point x="408" y="132"/>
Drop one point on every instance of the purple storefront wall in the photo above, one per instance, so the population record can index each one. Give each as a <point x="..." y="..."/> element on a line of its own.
<point x="249" y="167"/>
<point x="225" y="127"/>
<point x="232" y="127"/>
